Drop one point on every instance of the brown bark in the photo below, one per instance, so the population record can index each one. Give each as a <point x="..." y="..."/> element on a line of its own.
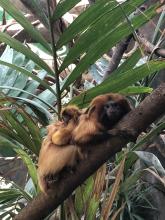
<point x="117" y="55"/>
<point x="150" y="48"/>
<point x="133" y="123"/>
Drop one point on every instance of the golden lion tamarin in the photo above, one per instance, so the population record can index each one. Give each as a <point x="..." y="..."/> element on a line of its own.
<point x="103" y="113"/>
<point x="70" y="117"/>
<point x="69" y="141"/>
<point x="56" y="152"/>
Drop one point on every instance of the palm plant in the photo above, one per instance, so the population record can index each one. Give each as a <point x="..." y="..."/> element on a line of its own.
<point x="29" y="101"/>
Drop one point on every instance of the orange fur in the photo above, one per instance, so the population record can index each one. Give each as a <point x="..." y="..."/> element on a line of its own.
<point x="54" y="159"/>
<point x="56" y="151"/>
<point x="90" y="124"/>
<point x="64" y="135"/>
<point x="82" y="129"/>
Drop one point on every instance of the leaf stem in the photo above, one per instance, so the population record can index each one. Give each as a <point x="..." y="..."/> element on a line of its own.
<point x="56" y="70"/>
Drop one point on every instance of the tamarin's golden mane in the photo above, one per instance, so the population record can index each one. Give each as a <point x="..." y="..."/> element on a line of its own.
<point x="99" y="117"/>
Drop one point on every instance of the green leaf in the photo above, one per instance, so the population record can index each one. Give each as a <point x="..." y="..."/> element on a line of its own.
<point x="32" y="85"/>
<point x="107" y="24"/>
<point x="47" y="96"/>
<point x="18" y="16"/>
<point x="30" y="94"/>
<point x="129" y="63"/>
<point x="30" y="127"/>
<point x="130" y="181"/>
<point x="39" y="9"/>
<point x="131" y="157"/>
<point x="92" y="208"/>
<point x="150" y="159"/>
<point x="10" y="77"/>
<point x="153" y="133"/>
<point x="119" y="82"/>
<point x="29" y="74"/>
<point x="103" y="44"/>
<point x="19" y="129"/>
<point x="62" y="7"/>
<point x="29" y="164"/>
<point x="22" y="79"/>
<point x="79" y="203"/>
<point x="24" y="156"/>
<point x="135" y="90"/>
<point x="38" y="106"/>
<point x="26" y="51"/>
<point x="33" y="131"/>
<point x="83" y="194"/>
<point x="14" y="190"/>
<point x="7" y="56"/>
<point x="85" y="19"/>
<point x="5" y="149"/>
<point x="7" y="195"/>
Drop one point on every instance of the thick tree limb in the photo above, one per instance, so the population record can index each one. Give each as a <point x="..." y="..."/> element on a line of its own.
<point x="134" y="123"/>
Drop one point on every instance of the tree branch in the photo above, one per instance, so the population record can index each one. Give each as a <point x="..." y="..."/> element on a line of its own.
<point x="117" y="55"/>
<point x="150" y="48"/>
<point x="133" y="123"/>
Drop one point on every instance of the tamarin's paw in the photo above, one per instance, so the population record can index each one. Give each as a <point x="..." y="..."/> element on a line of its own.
<point x="61" y="138"/>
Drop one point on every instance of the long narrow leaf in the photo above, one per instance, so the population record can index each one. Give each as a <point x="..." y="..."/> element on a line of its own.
<point x="24" y="91"/>
<point x="131" y="157"/>
<point x="30" y="165"/>
<point x="119" y="82"/>
<point x="37" y="105"/>
<point x="114" y="191"/>
<point x="63" y="7"/>
<point x="33" y="130"/>
<point x="20" y="130"/>
<point x="106" y="42"/>
<point x="18" y="16"/>
<point x="25" y="157"/>
<point x="40" y="10"/>
<point x="135" y="90"/>
<point x="27" y="52"/>
<point x="130" y="181"/>
<point x="27" y="73"/>
<point x="85" y="19"/>
<point x="150" y="160"/>
<point x="106" y="25"/>
<point x="129" y="63"/>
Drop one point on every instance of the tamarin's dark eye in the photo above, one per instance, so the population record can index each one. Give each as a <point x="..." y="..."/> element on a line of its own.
<point x="111" y="104"/>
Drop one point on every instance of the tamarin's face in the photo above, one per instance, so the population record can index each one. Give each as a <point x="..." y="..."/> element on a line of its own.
<point x="108" y="109"/>
<point x="70" y="113"/>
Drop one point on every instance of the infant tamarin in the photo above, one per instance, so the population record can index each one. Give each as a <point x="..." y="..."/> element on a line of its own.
<point x="103" y="113"/>
<point x="56" y="152"/>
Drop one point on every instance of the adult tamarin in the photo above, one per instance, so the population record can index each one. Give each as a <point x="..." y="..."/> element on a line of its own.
<point x="68" y="142"/>
<point x="56" y="152"/>
<point x="103" y="113"/>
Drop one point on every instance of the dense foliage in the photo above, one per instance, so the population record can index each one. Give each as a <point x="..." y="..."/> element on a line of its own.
<point x="32" y="94"/>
